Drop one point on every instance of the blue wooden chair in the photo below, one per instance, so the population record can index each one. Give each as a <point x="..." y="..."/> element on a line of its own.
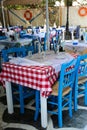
<point x="34" y="44"/>
<point x="3" y="37"/>
<point x="23" y="92"/>
<point x="61" y="95"/>
<point x="13" y="52"/>
<point x="81" y="81"/>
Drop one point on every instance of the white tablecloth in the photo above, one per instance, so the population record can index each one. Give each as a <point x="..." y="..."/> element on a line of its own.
<point x="80" y="47"/>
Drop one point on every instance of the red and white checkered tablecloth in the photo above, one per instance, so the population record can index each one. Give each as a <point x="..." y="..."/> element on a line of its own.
<point x="36" y="77"/>
<point x="75" y="55"/>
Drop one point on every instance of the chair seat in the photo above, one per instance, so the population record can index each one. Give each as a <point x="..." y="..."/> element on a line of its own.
<point x="55" y="89"/>
<point x="82" y="80"/>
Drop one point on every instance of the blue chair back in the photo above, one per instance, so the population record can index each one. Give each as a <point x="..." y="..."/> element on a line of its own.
<point x="83" y="65"/>
<point x="3" y="37"/>
<point x="81" y="80"/>
<point x="62" y="90"/>
<point x="14" y="52"/>
<point x="67" y="74"/>
<point x="22" y="33"/>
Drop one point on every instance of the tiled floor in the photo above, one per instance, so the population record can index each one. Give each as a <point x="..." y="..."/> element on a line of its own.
<point x="17" y="121"/>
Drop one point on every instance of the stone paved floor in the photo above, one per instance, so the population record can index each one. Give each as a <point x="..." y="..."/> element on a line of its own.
<point x="16" y="121"/>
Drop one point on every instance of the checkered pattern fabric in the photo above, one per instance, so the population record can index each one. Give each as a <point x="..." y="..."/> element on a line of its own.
<point x="36" y="77"/>
<point x="75" y="55"/>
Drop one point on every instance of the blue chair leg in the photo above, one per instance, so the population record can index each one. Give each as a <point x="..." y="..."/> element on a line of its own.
<point x="21" y="99"/>
<point x="70" y="104"/>
<point x="75" y="98"/>
<point x="75" y="103"/>
<point x="60" y="113"/>
<point x="37" y="101"/>
<point x="86" y="93"/>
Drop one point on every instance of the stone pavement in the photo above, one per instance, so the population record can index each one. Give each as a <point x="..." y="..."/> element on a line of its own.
<point x="25" y="121"/>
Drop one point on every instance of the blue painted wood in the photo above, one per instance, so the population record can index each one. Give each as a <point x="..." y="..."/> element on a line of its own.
<point x="23" y="92"/>
<point x="81" y="73"/>
<point x="14" y="51"/>
<point x="66" y="79"/>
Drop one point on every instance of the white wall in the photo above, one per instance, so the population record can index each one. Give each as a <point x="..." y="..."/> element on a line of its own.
<point x="16" y="21"/>
<point x="74" y="18"/>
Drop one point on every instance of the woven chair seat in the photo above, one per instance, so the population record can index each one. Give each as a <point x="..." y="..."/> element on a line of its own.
<point x="82" y="80"/>
<point x="55" y="89"/>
